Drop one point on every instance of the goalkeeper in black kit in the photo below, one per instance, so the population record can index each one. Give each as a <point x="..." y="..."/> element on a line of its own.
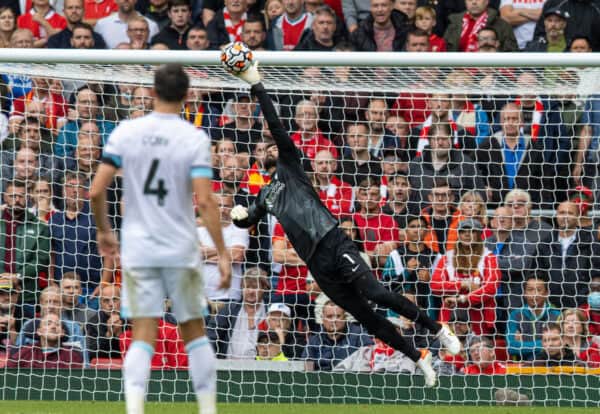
<point x="331" y="257"/>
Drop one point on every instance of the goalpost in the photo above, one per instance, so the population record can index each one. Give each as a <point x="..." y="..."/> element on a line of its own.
<point x="57" y="108"/>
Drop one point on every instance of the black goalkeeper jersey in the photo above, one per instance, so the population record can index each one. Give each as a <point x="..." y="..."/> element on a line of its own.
<point x="290" y="195"/>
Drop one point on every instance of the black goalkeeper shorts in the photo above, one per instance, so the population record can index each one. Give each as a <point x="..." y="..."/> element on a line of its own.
<point x="337" y="260"/>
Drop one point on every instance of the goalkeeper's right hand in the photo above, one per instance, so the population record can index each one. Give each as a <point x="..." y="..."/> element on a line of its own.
<point x="250" y="75"/>
<point x="239" y="213"/>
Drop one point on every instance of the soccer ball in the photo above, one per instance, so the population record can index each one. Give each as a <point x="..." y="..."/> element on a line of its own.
<point x="236" y="57"/>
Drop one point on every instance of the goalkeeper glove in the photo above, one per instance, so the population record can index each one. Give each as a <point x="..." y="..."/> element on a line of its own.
<point x="250" y="75"/>
<point x="239" y="213"/>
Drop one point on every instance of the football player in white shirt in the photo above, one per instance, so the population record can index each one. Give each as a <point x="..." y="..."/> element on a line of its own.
<point x="165" y="160"/>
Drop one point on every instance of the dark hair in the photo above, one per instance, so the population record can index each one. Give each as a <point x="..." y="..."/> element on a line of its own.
<point x="358" y="242"/>
<point x="268" y="337"/>
<point x="14" y="183"/>
<point x="369" y="181"/>
<point x="344" y="45"/>
<point x="256" y="19"/>
<point x="440" y="182"/>
<point x="70" y="175"/>
<point x="539" y="275"/>
<point x="171" y="83"/>
<point x="552" y="326"/>
<point x="82" y="25"/>
<point x="416" y="32"/>
<point x="440" y="127"/>
<point x="405" y="220"/>
<point x="490" y="29"/>
<point x="579" y="36"/>
<point x="175" y="3"/>
<point x="198" y="27"/>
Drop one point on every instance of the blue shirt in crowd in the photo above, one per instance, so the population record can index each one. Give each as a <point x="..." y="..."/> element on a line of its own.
<point x="512" y="160"/>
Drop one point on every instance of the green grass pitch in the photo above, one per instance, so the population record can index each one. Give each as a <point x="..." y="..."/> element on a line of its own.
<point x="72" y="407"/>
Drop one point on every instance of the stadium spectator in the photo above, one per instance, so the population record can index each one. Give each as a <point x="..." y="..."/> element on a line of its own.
<point x="440" y="159"/>
<point x="42" y="21"/>
<point x="158" y="12"/>
<point x="226" y="25"/>
<point x="287" y="30"/>
<point x="487" y="40"/>
<point x="197" y="39"/>
<point x="74" y="11"/>
<point x="575" y="333"/>
<point x="11" y="313"/>
<point x="231" y="175"/>
<point x="47" y="92"/>
<point x="468" y="277"/>
<point x="525" y="325"/>
<point x="50" y="302"/>
<point x="292" y="337"/>
<point x="87" y="152"/>
<point x="425" y="19"/>
<point x="460" y="325"/>
<point x="408" y="268"/>
<point x="571" y="256"/>
<point x="72" y="308"/>
<point x="197" y="108"/>
<point x="580" y="44"/>
<point x="470" y="206"/>
<point x="309" y="138"/>
<point x="254" y="34"/>
<point x="138" y="33"/>
<point x="335" y="194"/>
<point x="272" y="10"/>
<point x="175" y="32"/>
<point x="461" y="33"/>
<point x="337" y="340"/>
<point x="50" y="350"/>
<point x="384" y="30"/>
<point x="41" y="199"/>
<point x="113" y="28"/>
<point x="73" y="236"/>
<point x="378" y="357"/>
<point x="234" y="330"/>
<point x="25" y="166"/>
<point x="554" y="352"/>
<point x="553" y="39"/>
<point x="244" y="129"/>
<point x="355" y="11"/>
<point x="86" y="109"/>
<point x="21" y="39"/>
<point x="592" y="306"/>
<point x="377" y="230"/>
<point x="291" y="286"/>
<point x="32" y="136"/>
<point x="24" y="244"/>
<point x="93" y="11"/>
<point x="400" y="201"/>
<point x="439" y="215"/>
<point x="323" y="28"/>
<point x="359" y="164"/>
<point x="380" y="138"/>
<point x="483" y="358"/>
<point x="105" y="326"/>
<point x="170" y="349"/>
<point x="142" y="97"/>
<point x="417" y="40"/>
<point x="511" y="160"/>
<point x="406" y="140"/>
<point x="236" y="240"/>
<point x="522" y="17"/>
<point x="408" y="7"/>
<point x="8" y="24"/>
<point x="583" y="18"/>
<point x="269" y="347"/>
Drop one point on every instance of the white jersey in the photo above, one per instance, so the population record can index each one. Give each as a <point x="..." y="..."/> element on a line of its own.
<point x="524" y="32"/>
<point x="160" y="155"/>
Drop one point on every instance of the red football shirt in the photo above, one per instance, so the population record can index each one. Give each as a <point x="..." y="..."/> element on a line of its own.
<point x="376" y="229"/>
<point x="25" y="21"/>
<point x="292" y="279"/>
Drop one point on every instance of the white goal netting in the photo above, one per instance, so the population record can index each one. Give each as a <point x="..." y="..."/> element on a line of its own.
<point x="471" y="190"/>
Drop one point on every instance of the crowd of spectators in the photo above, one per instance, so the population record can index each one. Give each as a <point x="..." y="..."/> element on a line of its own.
<point x="410" y="176"/>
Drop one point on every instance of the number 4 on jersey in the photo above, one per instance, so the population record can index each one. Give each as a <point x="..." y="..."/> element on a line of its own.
<point x="159" y="191"/>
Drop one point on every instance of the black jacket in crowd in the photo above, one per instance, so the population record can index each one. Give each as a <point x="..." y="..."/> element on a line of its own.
<point x="62" y="40"/>
<point x="290" y="195"/>
<point x="584" y="16"/>
<point x="363" y="37"/>
<point x="172" y="38"/>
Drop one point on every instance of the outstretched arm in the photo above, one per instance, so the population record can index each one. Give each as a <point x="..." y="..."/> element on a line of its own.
<point x="285" y="145"/>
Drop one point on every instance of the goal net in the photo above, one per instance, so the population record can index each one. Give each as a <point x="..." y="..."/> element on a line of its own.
<point x="472" y="190"/>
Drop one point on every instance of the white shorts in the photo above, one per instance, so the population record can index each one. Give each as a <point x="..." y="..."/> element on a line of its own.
<point x="145" y="290"/>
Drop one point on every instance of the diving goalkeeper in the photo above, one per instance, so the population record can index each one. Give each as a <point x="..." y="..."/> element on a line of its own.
<point x="330" y="255"/>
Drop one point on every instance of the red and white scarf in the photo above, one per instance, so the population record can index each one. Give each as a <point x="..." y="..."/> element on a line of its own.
<point x="424" y="135"/>
<point x="536" y="119"/>
<point x="469" y="38"/>
<point x="234" y="30"/>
